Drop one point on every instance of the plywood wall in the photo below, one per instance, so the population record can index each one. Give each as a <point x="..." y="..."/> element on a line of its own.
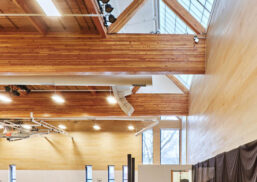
<point x="58" y="152"/>
<point x="223" y="103"/>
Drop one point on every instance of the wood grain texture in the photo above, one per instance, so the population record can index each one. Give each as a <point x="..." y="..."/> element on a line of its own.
<point x="85" y="104"/>
<point x="82" y="25"/>
<point x="180" y="11"/>
<point x="39" y="25"/>
<point x="98" y="21"/>
<point x="126" y="53"/>
<point x="57" y="152"/>
<point x="223" y="102"/>
<point x="180" y="85"/>
<point x="125" y="16"/>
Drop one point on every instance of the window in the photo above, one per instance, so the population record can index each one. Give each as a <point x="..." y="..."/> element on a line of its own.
<point x="12" y="177"/>
<point x="111" y="176"/>
<point x="170" y="23"/>
<point x="125" y="174"/>
<point x="147" y="145"/>
<point x="89" y="175"/>
<point x="169" y="146"/>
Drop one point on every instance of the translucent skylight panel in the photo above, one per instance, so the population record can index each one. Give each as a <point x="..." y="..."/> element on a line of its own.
<point x="200" y="9"/>
<point x="170" y="23"/>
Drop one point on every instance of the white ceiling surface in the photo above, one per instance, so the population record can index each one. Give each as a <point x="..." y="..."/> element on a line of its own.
<point x="142" y="22"/>
<point x="161" y="85"/>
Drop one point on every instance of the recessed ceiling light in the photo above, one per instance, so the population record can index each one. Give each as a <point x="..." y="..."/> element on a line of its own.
<point x="96" y="127"/>
<point x="27" y="127"/>
<point x="49" y="7"/>
<point x="131" y="127"/>
<point x="111" y="100"/>
<point x="58" y="99"/>
<point x="5" y="99"/>
<point x="62" y="127"/>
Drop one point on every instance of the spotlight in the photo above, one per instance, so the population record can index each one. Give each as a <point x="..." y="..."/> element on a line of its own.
<point x="16" y="93"/>
<point x="111" y="100"/>
<point x="25" y="88"/>
<point x="196" y="39"/>
<point x="108" y="8"/>
<point x="62" y="127"/>
<point x="7" y="88"/>
<point x="112" y="19"/>
<point x="58" y="99"/>
<point x="96" y="127"/>
<point x="131" y="127"/>
<point x="105" y="1"/>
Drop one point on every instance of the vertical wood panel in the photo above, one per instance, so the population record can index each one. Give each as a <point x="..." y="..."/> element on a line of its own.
<point x="224" y="101"/>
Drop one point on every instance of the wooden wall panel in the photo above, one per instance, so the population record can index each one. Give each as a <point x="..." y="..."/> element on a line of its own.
<point x="56" y="152"/>
<point x="223" y="102"/>
<point x="126" y="53"/>
<point x="86" y="104"/>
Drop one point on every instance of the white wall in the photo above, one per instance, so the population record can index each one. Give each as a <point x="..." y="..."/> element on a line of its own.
<point x="158" y="173"/>
<point x="58" y="176"/>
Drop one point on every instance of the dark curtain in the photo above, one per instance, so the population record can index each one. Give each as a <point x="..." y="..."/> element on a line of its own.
<point x="238" y="165"/>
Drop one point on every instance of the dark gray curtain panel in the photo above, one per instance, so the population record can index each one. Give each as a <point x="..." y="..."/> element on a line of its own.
<point x="238" y="165"/>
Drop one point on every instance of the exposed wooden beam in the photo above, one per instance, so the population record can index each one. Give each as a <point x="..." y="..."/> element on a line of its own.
<point x="117" y="54"/>
<point x="135" y="89"/>
<point x="93" y="8"/>
<point x="125" y="16"/>
<point x="180" y="11"/>
<point x="180" y="85"/>
<point x="85" y="104"/>
<point x="39" y="25"/>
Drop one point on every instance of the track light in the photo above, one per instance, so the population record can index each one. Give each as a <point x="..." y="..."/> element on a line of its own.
<point x="105" y="1"/>
<point x="111" y="18"/>
<point x="108" y="8"/>
<point x="7" y="88"/>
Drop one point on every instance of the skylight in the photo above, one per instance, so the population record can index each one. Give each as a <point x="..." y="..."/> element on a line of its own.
<point x="49" y="7"/>
<point x="200" y="9"/>
<point x="170" y="23"/>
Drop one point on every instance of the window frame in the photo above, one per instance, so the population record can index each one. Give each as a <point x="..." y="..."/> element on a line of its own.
<point x="124" y="178"/>
<point x="143" y="148"/>
<point x="12" y="178"/>
<point x="111" y="180"/>
<point x="88" y="180"/>
<point x="177" y="129"/>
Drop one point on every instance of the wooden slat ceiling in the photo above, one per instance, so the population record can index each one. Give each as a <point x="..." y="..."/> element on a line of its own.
<point x="68" y="24"/>
<point x="87" y="104"/>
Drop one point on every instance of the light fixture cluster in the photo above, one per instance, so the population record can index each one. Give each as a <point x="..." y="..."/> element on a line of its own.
<point x="17" y="90"/>
<point x="106" y="9"/>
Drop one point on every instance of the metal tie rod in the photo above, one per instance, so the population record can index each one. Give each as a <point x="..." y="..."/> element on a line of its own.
<point x="40" y="15"/>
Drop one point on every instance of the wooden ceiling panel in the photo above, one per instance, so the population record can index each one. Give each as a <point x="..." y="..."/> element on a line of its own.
<point x="86" y="104"/>
<point x="83" y="25"/>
